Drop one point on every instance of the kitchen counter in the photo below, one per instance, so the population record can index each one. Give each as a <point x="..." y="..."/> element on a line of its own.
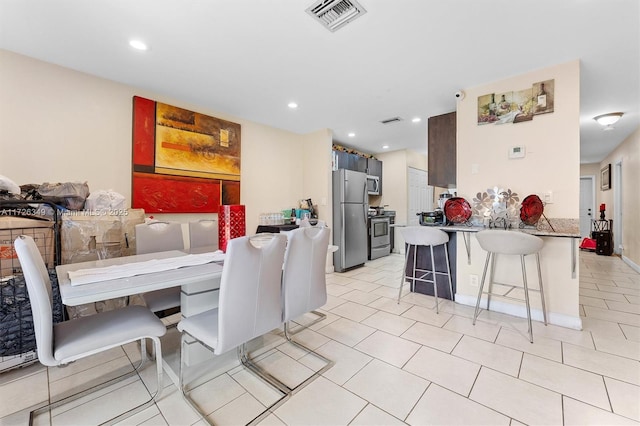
<point x="560" y="283"/>
<point x="564" y="228"/>
<point x="568" y="228"/>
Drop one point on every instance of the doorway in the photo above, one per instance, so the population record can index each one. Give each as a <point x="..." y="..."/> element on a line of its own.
<point x="617" y="208"/>
<point x="420" y="195"/>
<point x="587" y="203"/>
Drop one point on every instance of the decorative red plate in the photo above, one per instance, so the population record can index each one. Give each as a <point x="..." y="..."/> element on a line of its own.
<point x="457" y="210"/>
<point x="531" y="209"/>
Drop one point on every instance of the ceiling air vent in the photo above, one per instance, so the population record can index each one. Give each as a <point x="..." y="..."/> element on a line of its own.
<point x="391" y="120"/>
<point x="334" y="14"/>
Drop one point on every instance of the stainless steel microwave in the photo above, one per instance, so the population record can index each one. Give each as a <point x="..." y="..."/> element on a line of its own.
<point x="373" y="185"/>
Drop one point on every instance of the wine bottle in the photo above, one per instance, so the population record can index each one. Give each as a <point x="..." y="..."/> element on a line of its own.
<point x="542" y="97"/>
<point x="492" y="105"/>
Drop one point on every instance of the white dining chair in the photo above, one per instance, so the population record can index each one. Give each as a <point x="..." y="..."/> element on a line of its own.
<point x="65" y="342"/>
<point x="250" y="305"/>
<point x="203" y="233"/>
<point x="304" y="285"/>
<point x="154" y="237"/>
<point x="516" y="243"/>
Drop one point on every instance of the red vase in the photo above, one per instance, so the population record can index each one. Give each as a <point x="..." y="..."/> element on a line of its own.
<point x="231" y="224"/>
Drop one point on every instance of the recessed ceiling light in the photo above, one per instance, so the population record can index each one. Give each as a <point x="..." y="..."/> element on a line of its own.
<point x="292" y="105"/>
<point x="385" y="146"/>
<point x="138" y="44"/>
<point x="417" y="120"/>
<point x="351" y="135"/>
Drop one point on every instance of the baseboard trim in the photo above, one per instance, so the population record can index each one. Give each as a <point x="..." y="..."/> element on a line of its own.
<point x="520" y="311"/>
<point x="631" y="263"/>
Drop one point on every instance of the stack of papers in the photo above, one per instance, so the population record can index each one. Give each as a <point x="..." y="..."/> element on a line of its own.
<point x="92" y="275"/>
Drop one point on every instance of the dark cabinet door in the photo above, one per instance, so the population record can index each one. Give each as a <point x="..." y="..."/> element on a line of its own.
<point x="362" y="165"/>
<point x="442" y="150"/>
<point x="343" y="159"/>
<point x="374" y="168"/>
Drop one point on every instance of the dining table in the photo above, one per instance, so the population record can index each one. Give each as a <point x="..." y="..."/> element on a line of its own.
<point x="199" y="290"/>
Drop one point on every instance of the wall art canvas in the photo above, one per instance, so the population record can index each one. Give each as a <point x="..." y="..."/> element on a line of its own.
<point x="183" y="161"/>
<point x="487" y="109"/>
<point x="517" y="106"/>
<point x="543" y="97"/>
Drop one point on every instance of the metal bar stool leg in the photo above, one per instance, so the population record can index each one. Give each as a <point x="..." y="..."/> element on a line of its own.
<point x="544" y="307"/>
<point x="446" y="258"/>
<point x="404" y="272"/>
<point x="413" y="274"/>
<point x="484" y="275"/>
<point x="526" y="297"/>
<point x="491" y="279"/>
<point x="433" y="274"/>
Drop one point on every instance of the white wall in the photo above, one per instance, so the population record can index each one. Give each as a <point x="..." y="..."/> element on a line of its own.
<point x="629" y="153"/>
<point x="58" y="125"/>
<point x="552" y="163"/>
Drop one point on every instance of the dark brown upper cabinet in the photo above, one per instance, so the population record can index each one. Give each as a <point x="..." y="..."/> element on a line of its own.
<point x="442" y="150"/>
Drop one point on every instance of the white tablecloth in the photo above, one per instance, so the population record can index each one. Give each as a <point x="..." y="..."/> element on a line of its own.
<point x="92" y="275"/>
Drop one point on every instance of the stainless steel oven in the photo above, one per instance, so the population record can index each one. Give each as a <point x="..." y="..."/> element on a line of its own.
<point x="379" y="237"/>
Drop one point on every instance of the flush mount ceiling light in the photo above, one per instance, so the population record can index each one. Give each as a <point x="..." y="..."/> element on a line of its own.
<point x="416" y="120"/>
<point x="351" y="135"/>
<point x="334" y="14"/>
<point x="292" y="105"/>
<point x="608" y="119"/>
<point x="385" y="146"/>
<point x="138" y="45"/>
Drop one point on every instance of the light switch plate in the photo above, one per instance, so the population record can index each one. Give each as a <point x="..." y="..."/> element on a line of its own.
<point x="517" y="151"/>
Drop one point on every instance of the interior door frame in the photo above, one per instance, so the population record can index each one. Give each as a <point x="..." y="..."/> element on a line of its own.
<point x="592" y="178"/>
<point x="617" y="207"/>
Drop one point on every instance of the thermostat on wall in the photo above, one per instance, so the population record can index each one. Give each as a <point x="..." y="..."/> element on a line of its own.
<point x="516" y="151"/>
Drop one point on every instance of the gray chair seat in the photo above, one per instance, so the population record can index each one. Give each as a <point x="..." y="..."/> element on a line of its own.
<point x="422" y="236"/>
<point x="204" y="325"/>
<point x="107" y="329"/>
<point x="160" y="300"/>
<point x="499" y="242"/>
<point x="71" y="340"/>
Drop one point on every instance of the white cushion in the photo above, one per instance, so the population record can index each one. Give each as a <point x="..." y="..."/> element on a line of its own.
<point x="203" y="326"/>
<point x="111" y="328"/>
<point x="160" y="300"/>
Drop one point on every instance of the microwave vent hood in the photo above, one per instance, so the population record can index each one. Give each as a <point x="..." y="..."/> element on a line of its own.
<point x="334" y="14"/>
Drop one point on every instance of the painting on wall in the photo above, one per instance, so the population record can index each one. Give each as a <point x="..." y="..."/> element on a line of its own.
<point x="605" y="178"/>
<point x="183" y="161"/>
<point x="543" y="97"/>
<point x="517" y="106"/>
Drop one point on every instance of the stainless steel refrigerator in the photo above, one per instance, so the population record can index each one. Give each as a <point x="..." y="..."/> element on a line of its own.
<point x="350" y="210"/>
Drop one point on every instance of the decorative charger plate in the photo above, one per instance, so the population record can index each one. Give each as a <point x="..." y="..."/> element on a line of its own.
<point x="457" y="210"/>
<point x="531" y="209"/>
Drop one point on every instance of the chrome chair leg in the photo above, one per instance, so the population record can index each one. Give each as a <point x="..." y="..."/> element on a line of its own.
<point x="484" y="276"/>
<point x="544" y="307"/>
<point x="404" y="272"/>
<point x="126" y="414"/>
<point x="526" y="298"/>
<point x="435" y="280"/>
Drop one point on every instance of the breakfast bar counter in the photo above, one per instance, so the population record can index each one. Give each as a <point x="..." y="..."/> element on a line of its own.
<point x="559" y="265"/>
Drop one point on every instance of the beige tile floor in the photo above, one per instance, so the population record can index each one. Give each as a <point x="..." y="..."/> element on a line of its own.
<point x="396" y="364"/>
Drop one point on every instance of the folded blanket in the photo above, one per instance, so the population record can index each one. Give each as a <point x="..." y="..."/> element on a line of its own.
<point x="92" y="275"/>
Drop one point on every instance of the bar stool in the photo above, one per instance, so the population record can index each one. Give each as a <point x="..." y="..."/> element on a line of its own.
<point x="416" y="236"/>
<point x="510" y="243"/>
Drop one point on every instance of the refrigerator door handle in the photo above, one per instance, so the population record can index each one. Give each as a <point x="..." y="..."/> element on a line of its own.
<point x="365" y="204"/>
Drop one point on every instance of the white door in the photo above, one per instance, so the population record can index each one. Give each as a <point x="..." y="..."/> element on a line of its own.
<point x="420" y="195"/>
<point x="587" y="205"/>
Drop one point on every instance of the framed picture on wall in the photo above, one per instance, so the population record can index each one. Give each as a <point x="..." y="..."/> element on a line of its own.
<point x="605" y="178"/>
